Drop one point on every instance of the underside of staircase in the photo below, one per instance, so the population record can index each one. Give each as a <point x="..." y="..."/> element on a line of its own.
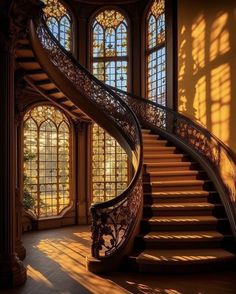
<point x="184" y="226"/>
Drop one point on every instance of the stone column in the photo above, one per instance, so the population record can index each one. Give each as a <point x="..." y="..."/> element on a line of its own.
<point x="20" y="84"/>
<point x="12" y="271"/>
<point x="14" y="16"/>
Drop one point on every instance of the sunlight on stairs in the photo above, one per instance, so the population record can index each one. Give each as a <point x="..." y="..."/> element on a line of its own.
<point x="184" y="222"/>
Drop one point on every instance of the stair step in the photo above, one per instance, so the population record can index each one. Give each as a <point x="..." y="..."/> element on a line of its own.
<point x="154" y="143"/>
<point x="22" y="52"/>
<point x="173" y="175"/>
<point x="52" y="91"/>
<point x="43" y="82"/>
<point x="35" y="72"/>
<point x="154" y="150"/>
<point x="184" y="209"/>
<point x="181" y="260"/>
<point x="150" y="136"/>
<point x="28" y="63"/>
<point x="179" y="196"/>
<point x="178" y="239"/>
<point x="170" y="166"/>
<point x="155" y="158"/>
<point x="182" y="223"/>
<point x="162" y="186"/>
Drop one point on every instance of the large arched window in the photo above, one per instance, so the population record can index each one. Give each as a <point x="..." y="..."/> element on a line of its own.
<point x="59" y="22"/>
<point x="109" y="54"/>
<point x="109" y="48"/>
<point x="46" y="161"/>
<point x="156" y="53"/>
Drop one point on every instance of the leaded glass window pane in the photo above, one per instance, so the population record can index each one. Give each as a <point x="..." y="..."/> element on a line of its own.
<point x="156" y="53"/>
<point x="110" y="65"/>
<point x="46" y="161"/>
<point x="59" y="22"/>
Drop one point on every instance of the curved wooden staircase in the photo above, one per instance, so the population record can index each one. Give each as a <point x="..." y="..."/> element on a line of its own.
<point x="184" y="222"/>
<point x="184" y="225"/>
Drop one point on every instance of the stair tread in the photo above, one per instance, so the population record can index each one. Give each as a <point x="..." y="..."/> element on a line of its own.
<point x="159" y="148"/>
<point x="183" y="256"/>
<point x="182" y="236"/>
<point x="192" y="205"/>
<point x="172" y="163"/>
<point x="154" y="140"/>
<point x="180" y="193"/>
<point x="182" y="219"/>
<point x="176" y="182"/>
<point x="165" y="155"/>
<point x="176" y="172"/>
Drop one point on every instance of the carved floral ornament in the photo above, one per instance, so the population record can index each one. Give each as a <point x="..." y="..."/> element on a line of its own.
<point x="109" y="19"/>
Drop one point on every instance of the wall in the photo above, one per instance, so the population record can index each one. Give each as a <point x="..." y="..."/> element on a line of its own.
<point x="207" y="65"/>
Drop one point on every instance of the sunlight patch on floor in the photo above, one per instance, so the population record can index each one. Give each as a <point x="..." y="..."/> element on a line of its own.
<point x="70" y="256"/>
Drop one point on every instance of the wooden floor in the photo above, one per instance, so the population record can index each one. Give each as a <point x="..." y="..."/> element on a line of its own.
<point x="56" y="258"/>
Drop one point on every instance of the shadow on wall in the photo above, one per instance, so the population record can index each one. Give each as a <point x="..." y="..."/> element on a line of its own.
<point x="207" y="65"/>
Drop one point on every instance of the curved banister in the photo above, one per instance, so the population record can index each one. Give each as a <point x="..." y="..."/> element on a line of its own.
<point x="220" y="157"/>
<point x="113" y="221"/>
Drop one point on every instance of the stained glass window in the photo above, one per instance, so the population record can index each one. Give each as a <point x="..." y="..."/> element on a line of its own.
<point x="59" y="22"/>
<point x="156" y="53"/>
<point x="109" y="50"/>
<point x="46" y="161"/>
<point x="110" y="65"/>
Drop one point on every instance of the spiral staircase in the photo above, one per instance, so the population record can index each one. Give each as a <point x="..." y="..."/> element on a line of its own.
<point x="179" y="208"/>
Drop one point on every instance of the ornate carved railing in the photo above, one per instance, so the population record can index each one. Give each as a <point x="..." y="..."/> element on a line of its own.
<point x="113" y="221"/>
<point x="217" y="154"/>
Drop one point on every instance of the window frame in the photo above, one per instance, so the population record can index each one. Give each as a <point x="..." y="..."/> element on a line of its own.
<point x="72" y="156"/>
<point x="90" y="61"/>
<point x="171" y="39"/>
<point x="129" y="43"/>
<point x="74" y="48"/>
<point x="155" y="49"/>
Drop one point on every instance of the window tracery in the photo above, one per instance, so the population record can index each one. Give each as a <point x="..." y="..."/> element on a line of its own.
<point x="59" y="22"/>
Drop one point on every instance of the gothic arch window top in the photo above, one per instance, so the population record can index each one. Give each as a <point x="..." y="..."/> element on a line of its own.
<point x="110" y="34"/>
<point x="59" y="22"/>
<point x="46" y="161"/>
<point x="156" y="24"/>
